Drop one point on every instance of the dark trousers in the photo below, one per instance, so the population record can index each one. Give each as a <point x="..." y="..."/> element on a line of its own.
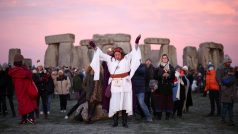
<point x="227" y="107"/>
<point x="81" y="100"/>
<point x="10" y="99"/>
<point x="178" y="107"/>
<point x="28" y="116"/>
<point x="63" y="101"/>
<point x="44" y="99"/>
<point x="214" y="97"/>
<point x="3" y="107"/>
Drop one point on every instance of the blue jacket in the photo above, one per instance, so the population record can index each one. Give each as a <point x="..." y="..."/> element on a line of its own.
<point x="138" y="80"/>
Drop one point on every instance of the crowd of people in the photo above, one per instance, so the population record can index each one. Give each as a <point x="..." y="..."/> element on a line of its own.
<point x="117" y="84"/>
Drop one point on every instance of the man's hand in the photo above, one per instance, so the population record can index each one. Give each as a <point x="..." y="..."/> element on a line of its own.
<point x="137" y="41"/>
<point x="93" y="45"/>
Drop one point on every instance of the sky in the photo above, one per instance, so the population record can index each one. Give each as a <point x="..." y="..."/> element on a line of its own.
<point x="25" y="23"/>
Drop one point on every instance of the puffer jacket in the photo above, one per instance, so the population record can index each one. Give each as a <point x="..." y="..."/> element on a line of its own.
<point x="211" y="81"/>
<point x="62" y="85"/>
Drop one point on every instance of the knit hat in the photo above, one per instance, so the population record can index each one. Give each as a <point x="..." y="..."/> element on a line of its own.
<point x="18" y="58"/>
<point x="210" y="65"/>
<point x="227" y="59"/>
<point x="185" y="68"/>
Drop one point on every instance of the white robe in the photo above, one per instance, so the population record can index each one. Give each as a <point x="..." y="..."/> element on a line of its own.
<point x="121" y="98"/>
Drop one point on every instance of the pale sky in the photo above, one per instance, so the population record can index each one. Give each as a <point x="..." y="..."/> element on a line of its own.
<point x="25" y="23"/>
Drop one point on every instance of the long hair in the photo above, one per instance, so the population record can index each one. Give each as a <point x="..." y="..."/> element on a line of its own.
<point x="165" y="65"/>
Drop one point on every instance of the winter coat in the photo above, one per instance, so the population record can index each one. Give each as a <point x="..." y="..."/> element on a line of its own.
<point x="228" y="93"/>
<point x="138" y="80"/>
<point x="165" y="84"/>
<point x="211" y="81"/>
<point x="77" y="83"/>
<point x="149" y="76"/>
<point x="21" y="77"/>
<point x="41" y="81"/>
<point x="62" y="85"/>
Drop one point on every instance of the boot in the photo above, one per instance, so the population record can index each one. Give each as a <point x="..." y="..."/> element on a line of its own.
<point x="167" y="116"/>
<point x="115" y="120"/>
<point x="124" y="119"/>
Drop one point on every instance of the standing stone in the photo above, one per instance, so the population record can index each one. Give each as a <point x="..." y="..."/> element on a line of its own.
<point x="27" y="62"/>
<point x="65" y="54"/>
<point x="51" y="55"/>
<point x="161" y="41"/>
<point x="210" y="52"/>
<point x="12" y="53"/>
<point x="190" y="57"/>
<point x="84" y="42"/>
<point x="126" y="46"/>
<point x="75" y="57"/>
<point x="170" y="50"/>
<point x="154" y="56"/>
<point x="145" y="52"/>
<point x="64" y="43"/>
<point x="85" y="59"/>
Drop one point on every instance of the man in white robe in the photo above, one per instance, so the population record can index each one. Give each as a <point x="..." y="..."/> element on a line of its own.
<point x="122" y="68"/>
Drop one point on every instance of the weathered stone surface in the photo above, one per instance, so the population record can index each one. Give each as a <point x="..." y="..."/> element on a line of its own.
<point x="65" y="54"/>
<point x="115" y="37"/>
<point x="154" y="56"/>
<point x="51" y="55"/>
<point x="212" y="45"/>
<point x="85" y="42"/>
<point x="190" y="57"/>
<point x="105" y="47"/>
<point x="86" y="56"/>
<point x="162" y="41"/>
<point x="27" y="62"/>
<point x="60" y="38"/>
<point x="75" y="57"/>
<point x="145" y="52"/>
<point x="210" y="52"/>
<point x="104" y="41"/>
<point x="12" y="53"/>
<point x="126" y="46"/>
<point x="170" y="50"/>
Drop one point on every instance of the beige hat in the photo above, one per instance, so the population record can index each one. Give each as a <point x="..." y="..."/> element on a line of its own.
<point x="185" y="68"/>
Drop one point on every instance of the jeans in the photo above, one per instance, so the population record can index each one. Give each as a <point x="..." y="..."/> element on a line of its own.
<point x="49" y="102"/>
<point x="227" y="107"/>
<point x="141" y="97"/>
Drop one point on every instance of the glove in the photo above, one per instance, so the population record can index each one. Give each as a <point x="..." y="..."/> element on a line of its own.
<point x="92" y="44"/>
<point x="137" y="39"/>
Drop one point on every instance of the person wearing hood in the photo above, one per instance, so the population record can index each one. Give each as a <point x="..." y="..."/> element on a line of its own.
<point x="213" y="88"/>
<point x="22" y="79"/>
<point x="41" y="80"/>
<point x="227" y="82"/>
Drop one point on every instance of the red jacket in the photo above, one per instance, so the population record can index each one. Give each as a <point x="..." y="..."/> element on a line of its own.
<point x="211" y="81"/>
<point x="21" y="77"/>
